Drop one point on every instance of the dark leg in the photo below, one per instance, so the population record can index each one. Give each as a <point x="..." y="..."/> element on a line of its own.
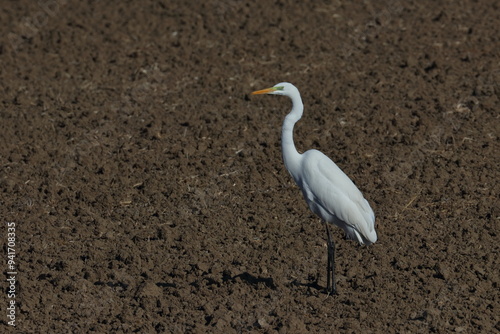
<point x="330" y="268"/>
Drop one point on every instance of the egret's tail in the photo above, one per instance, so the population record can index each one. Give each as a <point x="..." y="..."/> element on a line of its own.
<point x="363" y="240"/>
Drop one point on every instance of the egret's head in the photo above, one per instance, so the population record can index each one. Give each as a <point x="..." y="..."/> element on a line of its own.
<point x="283" y="88"/>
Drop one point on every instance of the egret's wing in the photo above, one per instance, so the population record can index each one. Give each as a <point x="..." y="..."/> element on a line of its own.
<point x="335" y="192"/>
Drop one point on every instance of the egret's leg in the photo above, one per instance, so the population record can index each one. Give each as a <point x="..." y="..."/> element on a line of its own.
<point x="330" y="268"/>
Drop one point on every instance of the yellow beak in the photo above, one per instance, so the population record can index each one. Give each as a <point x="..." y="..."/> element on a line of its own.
<point x="265" y="91"/>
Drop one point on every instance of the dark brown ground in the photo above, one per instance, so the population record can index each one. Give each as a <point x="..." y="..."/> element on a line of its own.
<point x="148" y="187"/>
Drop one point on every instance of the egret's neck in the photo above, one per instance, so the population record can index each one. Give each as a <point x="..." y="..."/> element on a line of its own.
<point x="291" y="157"/>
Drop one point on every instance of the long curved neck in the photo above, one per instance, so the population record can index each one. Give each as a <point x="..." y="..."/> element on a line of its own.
<point x="291" y="156"/>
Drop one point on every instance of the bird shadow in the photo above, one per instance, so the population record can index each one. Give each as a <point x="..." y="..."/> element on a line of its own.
<point x="269" y="282"/>
<point x="312" y="285"/>
<point x="252" y="280"/>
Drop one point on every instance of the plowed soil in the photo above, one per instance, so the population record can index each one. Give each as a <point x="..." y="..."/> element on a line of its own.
<point x="147" y="186"/>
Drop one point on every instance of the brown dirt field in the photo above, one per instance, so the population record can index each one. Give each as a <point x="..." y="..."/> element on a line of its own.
<point x="147" y="185"/>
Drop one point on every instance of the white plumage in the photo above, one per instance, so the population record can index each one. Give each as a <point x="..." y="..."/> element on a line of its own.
<point x="327" y="190"/>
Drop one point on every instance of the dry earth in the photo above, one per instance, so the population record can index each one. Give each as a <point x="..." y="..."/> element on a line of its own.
<point x="147" y="187"/>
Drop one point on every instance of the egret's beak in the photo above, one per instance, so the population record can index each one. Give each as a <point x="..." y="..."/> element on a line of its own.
<point x="265" y="91"/>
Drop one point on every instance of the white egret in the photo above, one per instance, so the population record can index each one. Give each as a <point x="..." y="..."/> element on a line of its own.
<point x="329" y="193"/>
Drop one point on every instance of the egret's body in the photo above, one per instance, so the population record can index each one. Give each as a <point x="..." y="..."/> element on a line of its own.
<point x="327" y="190"/>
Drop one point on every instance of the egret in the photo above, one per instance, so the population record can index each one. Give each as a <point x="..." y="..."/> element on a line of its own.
<point x="328" y="191"/>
